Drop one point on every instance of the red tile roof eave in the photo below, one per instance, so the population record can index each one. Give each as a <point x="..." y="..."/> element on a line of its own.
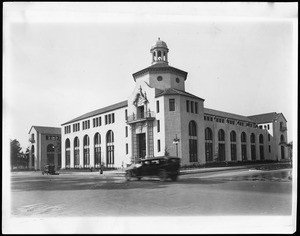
<point x="97" y="113"/>
<point x="150" y="69"/>
<point x="45" y="129"/>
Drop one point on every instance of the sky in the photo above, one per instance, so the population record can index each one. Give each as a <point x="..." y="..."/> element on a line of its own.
<point x="64" y="60"/>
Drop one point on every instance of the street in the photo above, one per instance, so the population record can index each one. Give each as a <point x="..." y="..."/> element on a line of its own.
<point x="226" y="193"/>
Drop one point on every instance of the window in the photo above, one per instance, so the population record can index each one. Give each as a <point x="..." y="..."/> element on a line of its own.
<point x="221" y="145"/>
<point x="159" y="78"/>
<point x="244" y="146"/>
<point x="109" y="118"/>
<point x="172" y="104"/>
<point x="126" y="131"/>
<point x="253" y="150"/>
<point x="86" y="151"/>
<point x="233" y="146"/>
<point x="97" y="149"/>
<point x="192" y="107"/>
<point x="126" y="148"/>
<point x="196" y="107"/>
<point x="193" y="147"/>
<point x="158" y="145"/>
<point x="177" y="80"/>
<point x="126" y="115"/>
<point x="208" y="145"/>
<point x="113" y="117"/>
<point x="269" y="148"/>
<point x="187" y="106"/>
<point x="106" y="119"/>
<point x="158" y="126"/>
<point x="157" y="106"/>
<point x="269" y="137"/>
<point x="110" y="152"/>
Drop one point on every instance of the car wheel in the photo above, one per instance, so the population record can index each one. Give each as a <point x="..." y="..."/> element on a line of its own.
<point x="163" y="175"/>
<point x="174" y="177"/>
<point x="128" y="176"/>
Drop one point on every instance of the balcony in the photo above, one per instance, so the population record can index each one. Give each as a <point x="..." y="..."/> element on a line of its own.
<point x="283" y="128"/>
<point x="145" y="116"/>
<point x="32" y="140"/>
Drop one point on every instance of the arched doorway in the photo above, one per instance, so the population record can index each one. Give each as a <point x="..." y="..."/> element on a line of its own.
<point x="253" y="149"/>
<point x="76" y="152"/>
<point x="86" y="151"/>
<point x="221" y="145"/>
<point x="193" y="149"/>
<point x="244" y="146"/>
<point x="233" y="146"/>
<point x="32" y="156"/>
<point x="282" y="143"/>
<point x="208" y="145"/>
<point x="50" y="154"/>
<point x="261" y="147"/>
<point x="110" y="148"/>
<point x="97" y="149"/>
<point x="68" y="153"/>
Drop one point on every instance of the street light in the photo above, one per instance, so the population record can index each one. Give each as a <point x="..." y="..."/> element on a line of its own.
<point x="176" y="141"/>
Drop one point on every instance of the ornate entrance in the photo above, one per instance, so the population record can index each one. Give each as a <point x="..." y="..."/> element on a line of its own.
<point x="141" y="145"/>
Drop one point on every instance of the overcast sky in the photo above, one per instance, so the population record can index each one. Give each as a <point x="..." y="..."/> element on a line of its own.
<point x="62" y="61"/>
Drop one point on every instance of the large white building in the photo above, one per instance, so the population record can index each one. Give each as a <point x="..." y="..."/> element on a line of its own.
<point x="157" y="112"/>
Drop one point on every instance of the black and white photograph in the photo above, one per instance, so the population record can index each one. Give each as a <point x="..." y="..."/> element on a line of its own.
<point x="149" y="117"/>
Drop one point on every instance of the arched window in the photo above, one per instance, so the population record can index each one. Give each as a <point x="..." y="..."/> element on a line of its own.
<point x="193" y="141"/>
<point x="244" y="146"/>
<point x="208" y="145"/>
<point x="76" y="152"/>
<point x="233" y="146"/>
<point x="221" y="145"/>
<point x="32" y="156"/>
<point x="110" y="153"/>
<point x="261" y="147"/>
<point x="50" y="154"/>
<point x="282" y="143"/>
<point x="86" y="151"/>
<point x="253" y="150"/>
<point x="97" y="148"/>
<point x="68" y="153"/>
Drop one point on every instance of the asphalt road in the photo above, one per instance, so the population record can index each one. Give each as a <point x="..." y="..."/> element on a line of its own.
<point x="230" y="193"/>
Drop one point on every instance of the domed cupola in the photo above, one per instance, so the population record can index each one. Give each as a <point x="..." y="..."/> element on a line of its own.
<point x="159" y="52"/>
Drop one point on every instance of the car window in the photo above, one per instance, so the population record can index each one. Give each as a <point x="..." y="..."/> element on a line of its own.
<point x="155" y="162"/>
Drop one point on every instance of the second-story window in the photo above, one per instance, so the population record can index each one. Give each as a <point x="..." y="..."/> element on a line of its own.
<point x="187" y="106"/>
<point x="158" y="126"/>
<point x="157" y="106"/>
<point x="171" y="104"/>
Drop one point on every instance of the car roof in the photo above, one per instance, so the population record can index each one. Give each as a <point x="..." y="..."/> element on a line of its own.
<point x="159" y="158"/>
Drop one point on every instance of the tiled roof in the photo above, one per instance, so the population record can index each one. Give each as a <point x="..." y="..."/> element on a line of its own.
<point x="46" y="130"/>
<point x="160" y="67"/>
<point x="265" y="118"/>
<point x="99" y="111"/>
<point x="172" y="91"/>
<point x="226" y="115"/>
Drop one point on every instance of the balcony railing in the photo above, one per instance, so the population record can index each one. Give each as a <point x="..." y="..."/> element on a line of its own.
<point x="31" y="140"/>
<point x="149" y="115"/>
<point x="283" y="128"/>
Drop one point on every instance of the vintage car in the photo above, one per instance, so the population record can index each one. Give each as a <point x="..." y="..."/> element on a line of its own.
<point x="162" y="167"/>
<point x="49" y="170"/>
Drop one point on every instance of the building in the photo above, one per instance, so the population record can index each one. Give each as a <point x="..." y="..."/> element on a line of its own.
<point x="44" y="147"/>
<point x="160" y="117"/>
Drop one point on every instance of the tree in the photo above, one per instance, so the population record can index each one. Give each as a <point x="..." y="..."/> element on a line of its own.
<point x="17" y="157"/>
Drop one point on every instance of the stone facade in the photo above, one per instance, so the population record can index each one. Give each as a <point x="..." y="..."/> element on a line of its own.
<point x="44" y="147"/>
<point x="158" y="111"/>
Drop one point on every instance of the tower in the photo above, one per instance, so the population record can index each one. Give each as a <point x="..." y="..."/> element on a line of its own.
<point x="159" y="52"/>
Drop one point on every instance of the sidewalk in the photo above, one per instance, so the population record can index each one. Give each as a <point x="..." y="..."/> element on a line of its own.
<point x="121" y="172"/>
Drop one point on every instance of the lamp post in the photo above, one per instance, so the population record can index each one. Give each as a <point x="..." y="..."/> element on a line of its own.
<point x="176" y="141"/>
